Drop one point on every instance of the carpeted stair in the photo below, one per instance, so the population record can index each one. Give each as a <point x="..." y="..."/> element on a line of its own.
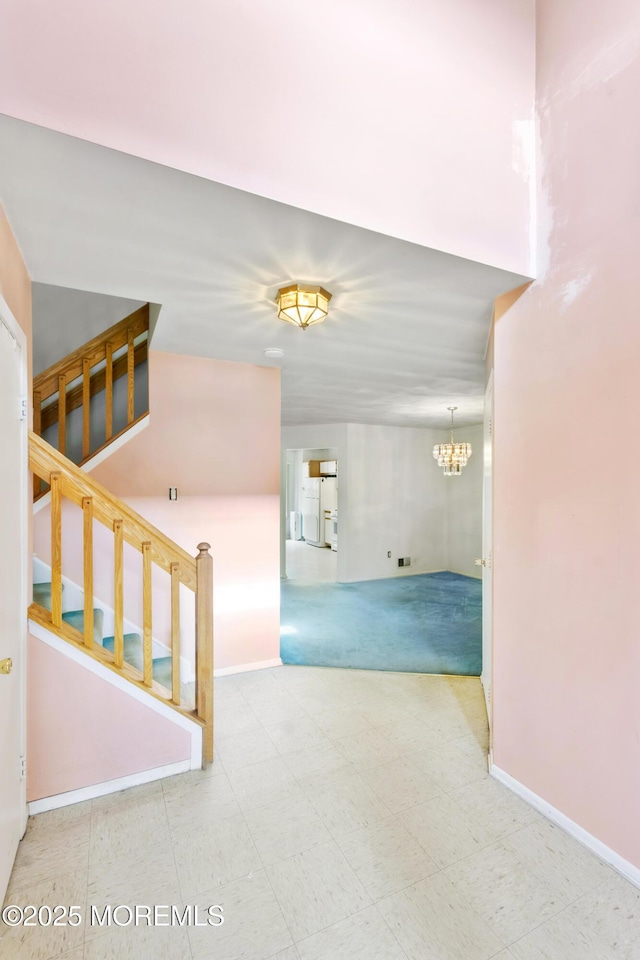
<point x="133" y="655"/>
<point x="75" y="618"/>
<point x="132" y="641"/>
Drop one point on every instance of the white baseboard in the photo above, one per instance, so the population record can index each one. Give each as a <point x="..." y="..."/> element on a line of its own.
<point x="628" y="870"/>
<point x="246" y="667"/>
<point x="398" y="573"/>
<point x="462" y="573"/>
<point x="108" y="786"/>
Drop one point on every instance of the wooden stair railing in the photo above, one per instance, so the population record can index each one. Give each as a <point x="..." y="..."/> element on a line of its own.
<point x="69" y="481"/>
<point x="100" y="353"/>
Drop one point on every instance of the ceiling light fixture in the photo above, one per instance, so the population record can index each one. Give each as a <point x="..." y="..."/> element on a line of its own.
<point x="452" y="456"/>
<point x="302" y="305"/>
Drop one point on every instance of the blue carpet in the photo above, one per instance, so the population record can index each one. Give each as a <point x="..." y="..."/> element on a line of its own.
<point x="430" y="623"/>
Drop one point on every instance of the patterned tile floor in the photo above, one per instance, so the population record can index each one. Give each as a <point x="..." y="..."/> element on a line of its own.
<point x="348" y="816"/>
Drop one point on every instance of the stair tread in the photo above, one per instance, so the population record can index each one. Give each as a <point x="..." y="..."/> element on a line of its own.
<point x="42" y="594"/>
<point x="162" y="671"/>
<point x="132" y="648"/>
<point x="75" y="618"/>
<point x="161" y="666"/>
<point x="98" y="614"/>
<point x="133" y="656"/>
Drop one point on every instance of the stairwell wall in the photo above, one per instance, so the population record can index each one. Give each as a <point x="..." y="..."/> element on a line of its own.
<point x="214" y="433"/>
<point x="84" y="731"/>
<point x="65" y="319"/>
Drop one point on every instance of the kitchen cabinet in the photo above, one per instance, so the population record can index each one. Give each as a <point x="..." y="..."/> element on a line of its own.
<point x="322" y="468"/>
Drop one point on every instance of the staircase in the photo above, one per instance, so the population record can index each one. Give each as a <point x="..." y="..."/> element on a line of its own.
<point x="128" y="653"/>
<point x="83" y="375"/>
<point x="161" y="667"/>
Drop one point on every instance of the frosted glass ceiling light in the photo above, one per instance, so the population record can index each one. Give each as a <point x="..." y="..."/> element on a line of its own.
<point x="452" y="456"/>
<point x="302" y="305"/>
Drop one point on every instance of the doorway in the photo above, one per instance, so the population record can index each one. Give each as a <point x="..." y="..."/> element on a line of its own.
<point x="13" y="578"/>
<point x="487" y="545"/>
<point x="407" y="596"/>
<point x="311" y="515"/>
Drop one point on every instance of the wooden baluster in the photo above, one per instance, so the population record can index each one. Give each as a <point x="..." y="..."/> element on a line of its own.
<point x="87" y="518"/>
<point x="62" y="414"/>
<point x="37" y="428"/>
<point x="204" y="647"/>
<point x="56" y="551"/>
<point x="147" y="641"/>
<point x="175" y="632"/>
<point x="86" y="408"/>
<point x="118" y="595"/>
<point x="130" y="376"/>
<point x="108" y="385"/>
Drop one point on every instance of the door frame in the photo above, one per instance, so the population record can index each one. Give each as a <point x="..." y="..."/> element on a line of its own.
<point x="487" y="553"/>
<point x="18" y="333"/>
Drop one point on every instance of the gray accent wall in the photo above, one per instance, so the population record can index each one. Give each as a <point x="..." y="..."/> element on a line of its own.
<point x="64" y="319"/>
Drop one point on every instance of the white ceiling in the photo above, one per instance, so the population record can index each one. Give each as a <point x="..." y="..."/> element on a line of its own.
<point x="407" y="327"/>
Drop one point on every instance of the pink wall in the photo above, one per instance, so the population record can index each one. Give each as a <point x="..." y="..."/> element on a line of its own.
<point x="15" y="283"/>
<point x="215" y="434"/>
<point x="245" y="536"/>
<point x="412" y="119"/>
<point x="214" y="431"/>
<point x="244" y="533"/>
<point x="567" y="395"/>
<point x="100" y="734"/>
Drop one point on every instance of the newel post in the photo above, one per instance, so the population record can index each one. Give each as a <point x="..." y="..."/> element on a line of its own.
<point x="204" y="647"/>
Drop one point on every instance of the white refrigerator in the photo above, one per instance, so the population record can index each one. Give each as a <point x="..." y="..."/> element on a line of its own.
<point x="319" y="494"/>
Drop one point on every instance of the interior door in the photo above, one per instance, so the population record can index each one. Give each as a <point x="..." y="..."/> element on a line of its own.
<point x="13" y="608"/>
<point x="487" y="546"/>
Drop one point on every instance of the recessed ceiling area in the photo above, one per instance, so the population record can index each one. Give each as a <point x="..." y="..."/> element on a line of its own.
<point x="407" y="326"/>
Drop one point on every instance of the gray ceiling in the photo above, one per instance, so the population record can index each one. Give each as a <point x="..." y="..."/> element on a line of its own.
<point x="407" y="327"/>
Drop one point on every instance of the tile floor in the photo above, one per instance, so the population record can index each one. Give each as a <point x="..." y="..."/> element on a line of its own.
<point x="348" y="816"/>
<point x="311" y="564"/>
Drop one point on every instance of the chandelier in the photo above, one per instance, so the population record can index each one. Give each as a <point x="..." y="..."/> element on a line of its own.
<point x="302" y="305"/>
<point x="452" y="456"/>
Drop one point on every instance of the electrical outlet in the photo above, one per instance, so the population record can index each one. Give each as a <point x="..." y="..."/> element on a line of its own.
<point x="173" y="493"/>
<point x="404" y="561"/>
